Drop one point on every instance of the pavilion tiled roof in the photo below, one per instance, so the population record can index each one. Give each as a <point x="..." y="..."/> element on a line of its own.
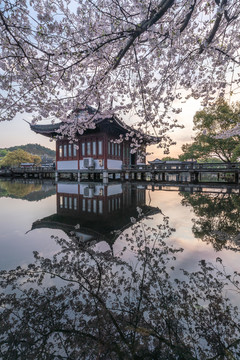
<point x="52" y="130"/>
<point x="46" y="128"/>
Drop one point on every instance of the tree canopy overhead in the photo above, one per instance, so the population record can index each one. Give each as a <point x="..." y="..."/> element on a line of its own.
<point x="122" y="56"/>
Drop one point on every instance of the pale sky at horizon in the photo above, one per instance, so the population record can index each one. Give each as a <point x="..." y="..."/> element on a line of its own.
<point x="18" y="132"/>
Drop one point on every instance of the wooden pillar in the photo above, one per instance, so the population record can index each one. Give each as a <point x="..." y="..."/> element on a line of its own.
<point x="194" y="176"/>
<point x="105" y="177"/>
<point x="236" y="177"/>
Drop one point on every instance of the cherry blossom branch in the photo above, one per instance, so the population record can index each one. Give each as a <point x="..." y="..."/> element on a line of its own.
<point x="146" y="24"/>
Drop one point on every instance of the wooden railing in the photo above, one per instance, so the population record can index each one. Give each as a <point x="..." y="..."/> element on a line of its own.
<point x="22" y="170"/>
<point x="184" y="167"/>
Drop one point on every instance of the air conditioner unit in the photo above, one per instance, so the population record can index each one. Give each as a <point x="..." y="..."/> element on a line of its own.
<point x="88" y="191"/>
<point x="88" y="163"/>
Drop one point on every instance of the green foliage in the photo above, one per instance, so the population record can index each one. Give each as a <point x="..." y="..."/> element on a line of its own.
<point x="16" y="157"/>
<point x="36" y="159"/>
<point x="211" y="160"/>
<point x="3" y="152"/>
<point x="208" y="124"/>
<point x="169" y="158"/>
<point x="35" y="149"/>
<point x="18" y="189"/>
<point x="216" y="218"/>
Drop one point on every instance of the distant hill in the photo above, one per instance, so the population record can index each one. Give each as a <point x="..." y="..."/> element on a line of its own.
<point x="34" y="149"/>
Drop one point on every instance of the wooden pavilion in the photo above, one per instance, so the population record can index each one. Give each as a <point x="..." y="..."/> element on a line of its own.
<point x="97" y="148"/>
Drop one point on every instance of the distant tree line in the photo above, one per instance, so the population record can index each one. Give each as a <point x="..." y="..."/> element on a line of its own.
<point x="19" y="156"/>
<point x="30" y="153"/>
<point x="34" y="149"/>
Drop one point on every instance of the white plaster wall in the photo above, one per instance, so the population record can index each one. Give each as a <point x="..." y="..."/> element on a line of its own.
<point x="114" y="164"/>
<point x="114" y="189"/>
<point x="93" y="190"/>
<point x="99" y="189"/>
<point x="67" y="165"/>
<point x="67" y="188"/>
<point x="82" y="187"/>
<point x="96" y="164"/>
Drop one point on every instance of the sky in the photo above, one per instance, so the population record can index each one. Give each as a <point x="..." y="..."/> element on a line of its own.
<point x="18" y="132"/>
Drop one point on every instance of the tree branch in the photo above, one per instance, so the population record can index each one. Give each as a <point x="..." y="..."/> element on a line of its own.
<point x="213" y="32"/>
<point x="145" y="25"/>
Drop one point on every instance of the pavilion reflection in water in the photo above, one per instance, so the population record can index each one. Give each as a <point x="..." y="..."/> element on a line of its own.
<point x="94" y="211"/>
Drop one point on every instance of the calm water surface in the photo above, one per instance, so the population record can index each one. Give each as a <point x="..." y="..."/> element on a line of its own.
<point x="205" y="224"/>
<point x="25" y="205"/>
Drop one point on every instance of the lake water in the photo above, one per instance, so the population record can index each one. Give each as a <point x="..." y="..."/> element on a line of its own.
<point x="116" y="235"/>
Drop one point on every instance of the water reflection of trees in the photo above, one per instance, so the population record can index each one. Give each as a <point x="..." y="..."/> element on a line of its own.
<point x="29" y="190"/>
<point x="87" y="304"/>
<point x="217" y="218"/>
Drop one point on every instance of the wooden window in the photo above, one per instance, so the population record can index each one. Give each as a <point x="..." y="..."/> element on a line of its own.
<point x="88" y="148"/>
<point x="112" y="149"/>
<point x="94" y="205"/>
<point x="69" y="149"/>
<point x="75" y="203"/>
<point x="116" y="149"/>
<point x="74" y="150"/>
<point x="83" y="205"/>
<point x="109" y="148"/>
<point x="61" y="201"/>
<point x="65" y="150"/>
<point x="70" y="203"/>
<point x="100" y="206"/>
<point x="60" y="150"/>
<point x="100" y="147"/>
<point x="89" y="205"/>
<point x="83" y="149"/>
<point x="119" y="150"/>
<point x="94" y="148"/>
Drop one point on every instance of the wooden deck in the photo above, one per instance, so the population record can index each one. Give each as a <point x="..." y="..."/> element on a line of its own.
<point x="33" y="172"/>
<point x="227" y="172"/>
<point x="186" y="172"/>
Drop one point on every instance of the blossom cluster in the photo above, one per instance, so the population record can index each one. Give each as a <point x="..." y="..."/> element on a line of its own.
<point x="129" y="57"/>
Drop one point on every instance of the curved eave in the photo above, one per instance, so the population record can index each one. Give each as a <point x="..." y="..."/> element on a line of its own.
<point x="52" y="130"/>
<point x="49" y="130"/>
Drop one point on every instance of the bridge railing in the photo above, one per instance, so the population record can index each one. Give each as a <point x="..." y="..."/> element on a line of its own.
<point x="29" y="169"/>
<point x="183" y="166"/>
